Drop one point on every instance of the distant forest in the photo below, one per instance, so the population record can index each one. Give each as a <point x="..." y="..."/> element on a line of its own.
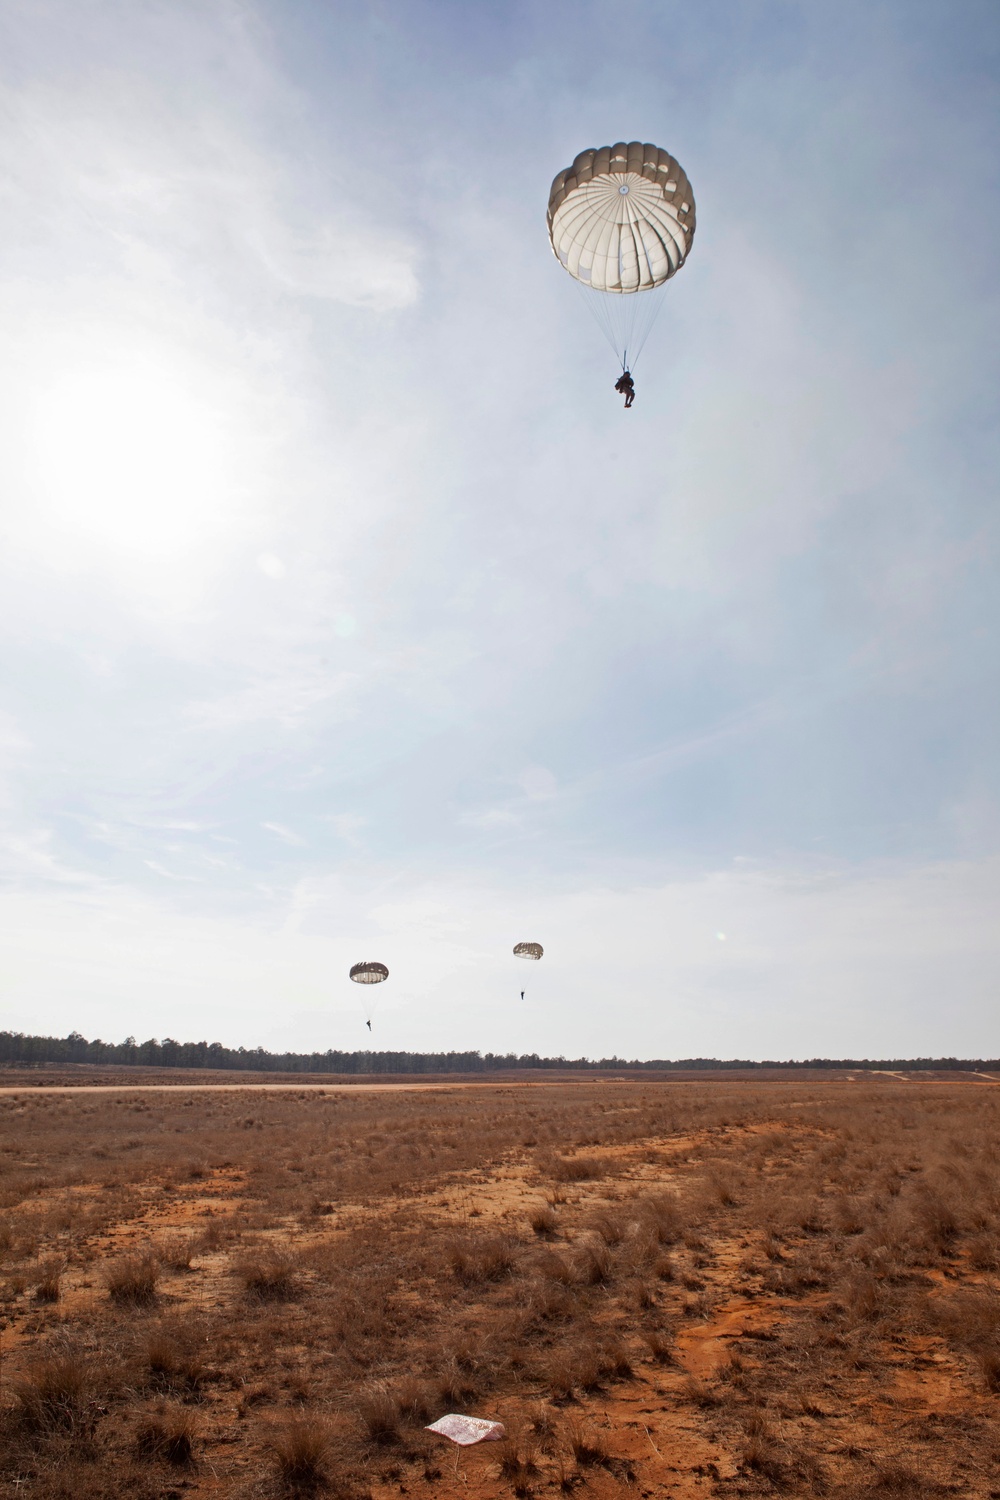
<point x="33" y="1050"/>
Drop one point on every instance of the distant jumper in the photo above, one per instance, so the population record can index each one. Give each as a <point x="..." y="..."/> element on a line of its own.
<point x="626" y="385"/>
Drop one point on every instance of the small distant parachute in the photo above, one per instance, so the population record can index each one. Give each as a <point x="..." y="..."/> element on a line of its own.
<point x="621" y="221"/>
<point x="528" y="950"/>
<point x="369" y="972"/>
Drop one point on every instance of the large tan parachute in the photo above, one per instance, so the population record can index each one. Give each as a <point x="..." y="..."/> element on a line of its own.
<point x="528" y="950"/>
<point x="621" y="221"/>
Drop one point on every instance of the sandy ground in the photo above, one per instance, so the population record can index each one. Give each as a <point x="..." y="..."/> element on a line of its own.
<point x="661" y="1432"/>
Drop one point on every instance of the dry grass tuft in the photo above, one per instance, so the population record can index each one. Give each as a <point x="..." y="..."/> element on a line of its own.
<point x="762" y="1455"/>
<point x="660" y="1346"/>
<point x="379" y="1414"/>
<point x="47" y="1281"/>
<point x="172" y="1367"/>
<point x="610" y="1227"/>
<point x="178" y="1251"/>
<point x="594" y="1265"/>
<point x="700" y="1394"/>
<point x="416" y="1400"/>
<point x="664" y="1216"/>
<point x="544" y="1223"/>
<point x="576" y="1168"/>
<point x="893" y="1477"/>
<point x="301" y="1448"/>
<point x="51" y="1394"/>
<point x="475" y="1261"/>
<point x="167" y="1436"/>
<point x="267" y="1275"/>
<point x="519" y="1461"/>
<point x="989" y="1366"/>
<point x="131" y="1281"/>
<point x="587" y="1446"/>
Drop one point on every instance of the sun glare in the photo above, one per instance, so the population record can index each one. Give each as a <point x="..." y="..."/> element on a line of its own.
<point x="130" y="456"/>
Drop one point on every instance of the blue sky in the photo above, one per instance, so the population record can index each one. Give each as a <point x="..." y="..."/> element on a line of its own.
<point x="346" y="614"/>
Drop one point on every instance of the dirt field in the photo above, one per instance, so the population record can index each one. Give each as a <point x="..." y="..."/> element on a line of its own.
<point x="691" y="1289"/>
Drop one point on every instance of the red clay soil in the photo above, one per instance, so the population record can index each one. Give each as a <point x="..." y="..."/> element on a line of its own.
<point x="666" y="1290"/>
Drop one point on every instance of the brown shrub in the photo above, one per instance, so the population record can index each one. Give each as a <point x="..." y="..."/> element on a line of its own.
<point x="664" y="1216"/>
<point x="593" y="1265"/>
<point x="379" y="1414"/>
<point x="564" y="1372"/>
<point x="761" y="1454"/>
<point x="577" y="1168"/>
<point x="850" y="1215"/>
<point x="47" y="1282"/>
<point x="660" y="1346"/>
<point x="894" y="1477"/>
<point x="178" y="1251"/>
<point x="663" y="1267"/>
<point x="519" y="1461"/>
<point x="456" y="1383"/>
<point x="587" y="1446"/>
<point x="51" y="1393"/>
<point x="166" y="1436"/>
<point x="724" y="1185"/>
<point x="131" y="1281"/>
<point x="556" y="1268"/>
<point x="642" y="1295"/>
<point x="585" y="1365"/>
<point x="301" y="1448"/>
<point x="546" y="1302"/>
<point x="984" y="1252"/>
<point x="267" y="1275"/>
<point x="483" y="1260"/>
<point x="172" y="1367"/>
<point x="416" y="1400"/>
<point x="934" y="1219"/>
<point x="989" y="1366"/>
<point x="700" y="1394"/>
<point x="862" y="1297"/>
<point x="617" y="1362"/>
<point x="611" y="1227"/>
<point x="544" y="1223"/>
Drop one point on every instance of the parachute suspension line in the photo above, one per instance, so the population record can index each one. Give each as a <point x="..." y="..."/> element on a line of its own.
<point x="596" y="303"/>
<point x="626" y="320"/>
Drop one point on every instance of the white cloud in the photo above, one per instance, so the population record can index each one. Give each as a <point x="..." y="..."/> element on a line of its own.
<point x="354" y="263"/>
<point x="537" y="783"/>
<point x="287" y="835"/>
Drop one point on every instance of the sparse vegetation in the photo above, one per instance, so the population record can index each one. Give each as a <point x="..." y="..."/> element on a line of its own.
<point x="609" y="1268"/>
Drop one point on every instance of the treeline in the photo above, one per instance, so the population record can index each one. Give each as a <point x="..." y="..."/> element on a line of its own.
<point x="33" y="1050"/>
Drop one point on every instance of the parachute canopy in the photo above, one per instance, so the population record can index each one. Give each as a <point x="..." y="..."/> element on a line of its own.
<point x="528" y="950"/>
<point x="369" y="973"/>
<point x="621" y="219"/>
